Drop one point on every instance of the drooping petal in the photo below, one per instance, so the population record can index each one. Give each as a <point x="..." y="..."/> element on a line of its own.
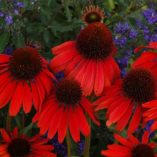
<point x="58" y="49"/>
<point x="35" y="94"/>
<point x="5" y="135"/>
<point x="84" y="126"/>
<point x="88" y="108"/>
<point x="63" y="126"/>
<point x="118" y="112"/>
<point x="121" y="124"/>
<point x="123" y="140"/>
<point x="27" y="99"/>
<point x="73" y="125"/>
<point x="89" y="75"/>
<point x="17" y="99"/>
<point x="62" y="58"/>
<point x="99" y="79"/>
<point x="145" y="137"/>
<point x="135" y="121"/>
<point x="53" y="125"/>
<point x="150" y="104"/>
<point x="4" y="58"/>
<point x="6" y="94"/>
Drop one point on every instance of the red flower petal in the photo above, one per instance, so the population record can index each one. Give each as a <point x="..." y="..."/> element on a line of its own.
<point x="73" y="124"/>
<point x="17" y="99"/>
<point x="63" y="127"/>
<point x="135" y="121"/>
<point x="27" y="99"/>
<point x="84" y="126"/>
<point x="88" y="108"/>
<point x="58" y="49"/>
<point x="5" y="135"/>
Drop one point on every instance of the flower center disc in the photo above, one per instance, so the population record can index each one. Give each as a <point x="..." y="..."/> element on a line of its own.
<point x="139" y="85"/>
<point x="19" y="148"/>
<point x="143" y="150"/>
<point x="25" y="63"/>
<point x="93" y="17"/>
<point x="68" y="92"/>
<point x="95" y="41"/>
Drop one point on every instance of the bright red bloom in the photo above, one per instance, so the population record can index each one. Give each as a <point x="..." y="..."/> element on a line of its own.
<point x="88" y="59"/>
<point x="148" y="60"/>
<point x="65" y="110"/>
<point x="24" y="80"/>
<point x="15" y="145"/>
<point x="131" y="147"/>
<point x="127" y="96"/>
<point x="124" y="99"/>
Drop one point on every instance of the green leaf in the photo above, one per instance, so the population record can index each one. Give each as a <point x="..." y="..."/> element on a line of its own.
<point x="17" y="119"/>
<point x="20" y="40"/>
<point x="111" y="4"/>
<point x="27" y="128"/>
<point x="46" y="36"/>
<point x="4" y="39"/>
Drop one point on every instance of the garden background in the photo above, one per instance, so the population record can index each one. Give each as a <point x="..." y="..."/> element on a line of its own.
<point x="46" y="23"/>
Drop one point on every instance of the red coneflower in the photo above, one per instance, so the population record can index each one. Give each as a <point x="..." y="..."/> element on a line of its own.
<point x="131" y="147"/>
<point x="88" y="59"/>
<point x="125" y="98"/>
<point x="24" y="80"/>
<point x="15" y="145"/>
<point x="92" y="14"/>
<point x="65" y="109"/>
<point x="148" y="60"/>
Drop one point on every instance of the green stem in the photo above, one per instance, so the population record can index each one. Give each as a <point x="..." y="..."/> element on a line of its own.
<point x="8" y="122"/>
<point x="86" y="152"/>
<point x="68" y="144"/>
<point x="23" y="120"/>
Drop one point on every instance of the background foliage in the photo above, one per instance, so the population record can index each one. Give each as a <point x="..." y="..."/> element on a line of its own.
<point x="46" y="23"/>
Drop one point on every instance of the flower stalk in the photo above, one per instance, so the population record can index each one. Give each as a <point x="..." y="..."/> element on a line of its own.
<point x="68" y="140"/>
<point x="86" y="152"/>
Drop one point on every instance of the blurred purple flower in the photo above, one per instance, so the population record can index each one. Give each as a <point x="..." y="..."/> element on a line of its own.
<point x="150" y="15"/>
<point x="8" y="50"/>
<point x="9" y="20"/>
<point x="148" y="127"/>
<point x="123" y="33"/>
<point x="145" y="30"/>
<point x="20" y="4"/>
<point x="121" y="28"/>
<point x="1" y="14"/>
<point x="16" y="11"/>
<point x="60" y="149"/>
<point x="80" y="147"/>
<point x="153" y="37"/>
<point x="120" y="40"/>
<point x="133" y="33"/>
<point x="139" y="23"/>
<point x="123" y="62"/>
